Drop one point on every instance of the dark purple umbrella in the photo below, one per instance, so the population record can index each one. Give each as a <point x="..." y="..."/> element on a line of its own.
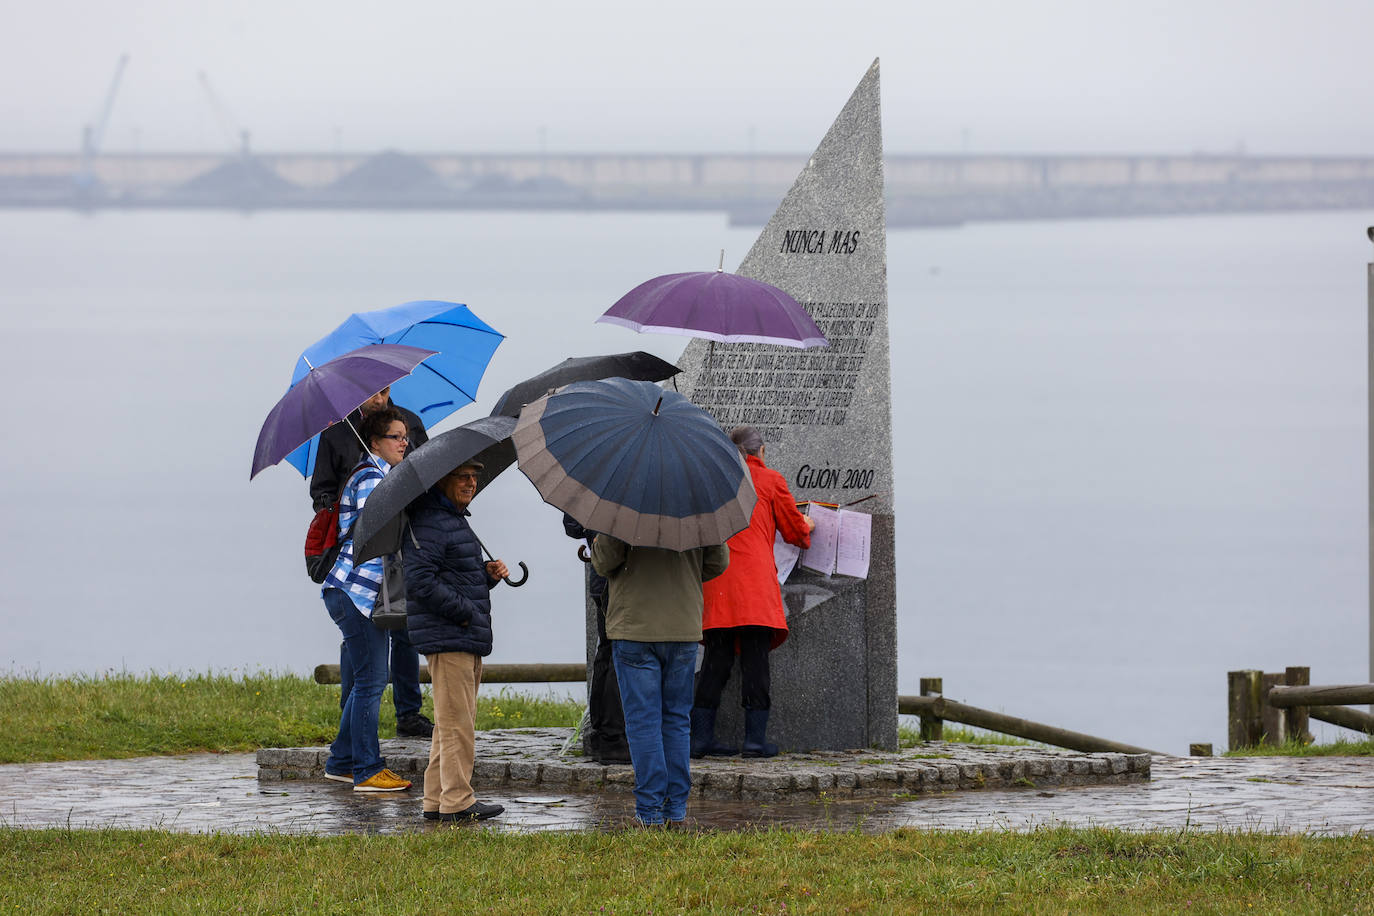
<point x="328" y="393"/>
<point x="716" y="306"/>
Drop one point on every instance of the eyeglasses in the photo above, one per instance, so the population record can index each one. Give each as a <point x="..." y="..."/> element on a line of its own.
<point x="405" y="439"/>
<point x="466" y="475"/>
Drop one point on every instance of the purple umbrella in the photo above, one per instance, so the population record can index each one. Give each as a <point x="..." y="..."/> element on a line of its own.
<point x="717" y="306"/>
<point x="328" y="393"/>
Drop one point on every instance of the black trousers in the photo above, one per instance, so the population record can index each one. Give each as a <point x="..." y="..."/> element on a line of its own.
<point x="719" y="658"/>
<point x="606" y="718"/>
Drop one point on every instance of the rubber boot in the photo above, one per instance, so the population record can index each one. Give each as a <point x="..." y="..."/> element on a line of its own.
<point x="704" y="742"/>
<point x="755" y="726"/>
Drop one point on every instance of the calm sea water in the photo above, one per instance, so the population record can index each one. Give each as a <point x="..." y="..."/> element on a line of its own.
<point x="1131" y="455"/>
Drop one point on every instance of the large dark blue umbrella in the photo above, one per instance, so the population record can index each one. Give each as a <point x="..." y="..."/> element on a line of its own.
<point x="327" y="394"/>
<point x="637" y="462"/>
<point x="464" y="343"/>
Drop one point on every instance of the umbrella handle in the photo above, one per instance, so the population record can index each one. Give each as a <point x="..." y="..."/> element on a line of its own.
<point x="582" y="553"/>
<point x="525" y="570"/>
<point x="525" y="574"/>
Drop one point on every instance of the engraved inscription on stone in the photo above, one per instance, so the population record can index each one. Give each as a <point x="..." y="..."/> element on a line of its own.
<point x="774" y="386"/>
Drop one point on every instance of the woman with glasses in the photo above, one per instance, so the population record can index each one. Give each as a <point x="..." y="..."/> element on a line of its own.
<point x="350" y="593"/>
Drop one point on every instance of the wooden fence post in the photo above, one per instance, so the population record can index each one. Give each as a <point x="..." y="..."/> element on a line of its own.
<point x="932" y="728"/>
<point x="1243" y="720"/>
<point x="1273" y="722"/>
<point x="1297" y="725"/>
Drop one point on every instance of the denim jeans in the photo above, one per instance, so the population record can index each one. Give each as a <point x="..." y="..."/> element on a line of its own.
<point x="656" y="693"/>
<point x="405" y="675"/>
<point x="356" y="750"/>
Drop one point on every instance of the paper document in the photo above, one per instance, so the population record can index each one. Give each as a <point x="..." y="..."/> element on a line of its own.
<point x="784" y="557"/>
<point x="820" y="556"/>
<point x="851" y="553"/>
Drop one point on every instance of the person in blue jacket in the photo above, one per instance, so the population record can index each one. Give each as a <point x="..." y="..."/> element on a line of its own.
<point x="448" y="614"/>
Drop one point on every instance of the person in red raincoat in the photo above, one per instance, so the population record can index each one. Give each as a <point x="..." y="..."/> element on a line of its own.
<point x="743" y="609"/>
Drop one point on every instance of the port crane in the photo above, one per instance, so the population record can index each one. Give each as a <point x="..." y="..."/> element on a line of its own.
<point x="93" y="134"/>
<point x="234" y="135"/>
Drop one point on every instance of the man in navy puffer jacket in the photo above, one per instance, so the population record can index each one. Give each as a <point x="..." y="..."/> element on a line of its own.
<point x="448" y="614"/>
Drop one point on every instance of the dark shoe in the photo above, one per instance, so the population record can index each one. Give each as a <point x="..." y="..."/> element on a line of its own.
<point x="477" y="811"/>
<point x="613" y="756"/>
<point x="755" y="726"/>
<point x="414" y="725"/>
<point x="704" y="743"/>
<point x="430" y="815"/>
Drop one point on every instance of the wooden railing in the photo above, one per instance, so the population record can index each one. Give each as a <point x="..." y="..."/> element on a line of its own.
<point x="1271" y="709"/>
<point x="492" y="674"/>
<point x="934" y="710"/>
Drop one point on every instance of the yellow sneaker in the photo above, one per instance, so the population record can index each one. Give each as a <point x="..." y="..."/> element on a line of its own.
<point x="382" y="781"/>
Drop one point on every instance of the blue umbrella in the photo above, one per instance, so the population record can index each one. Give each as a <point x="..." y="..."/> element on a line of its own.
<point x="635" y="461"/>
<point x="444" y="383"/>
<point x="327" y="394"/>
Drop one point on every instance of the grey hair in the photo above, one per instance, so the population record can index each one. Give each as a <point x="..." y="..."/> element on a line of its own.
<point x="747" y="439"/>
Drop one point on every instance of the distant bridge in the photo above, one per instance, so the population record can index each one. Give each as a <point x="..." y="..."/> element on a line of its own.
<point x="921" y="189"/>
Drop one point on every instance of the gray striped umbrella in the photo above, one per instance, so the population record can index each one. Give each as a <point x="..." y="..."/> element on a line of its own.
<point x="635" y="461"/>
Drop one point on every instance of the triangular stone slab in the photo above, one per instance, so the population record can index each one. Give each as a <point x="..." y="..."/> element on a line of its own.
<point x="825" y="415"/>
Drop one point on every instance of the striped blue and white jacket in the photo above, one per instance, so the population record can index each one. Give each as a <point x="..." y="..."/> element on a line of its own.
<point x="361" y="583"/>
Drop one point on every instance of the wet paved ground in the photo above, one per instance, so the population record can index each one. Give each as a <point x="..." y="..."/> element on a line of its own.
<point x="208" y="792"/>
<point x="532" y="760"/>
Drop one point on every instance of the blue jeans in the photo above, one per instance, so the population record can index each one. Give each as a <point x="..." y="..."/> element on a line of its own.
<point x="405" y="675"/>
<point x="356" y="749"/>
<point x="656" y="692"/>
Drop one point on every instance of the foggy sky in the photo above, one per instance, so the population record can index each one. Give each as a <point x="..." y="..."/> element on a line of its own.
<point x="1176" y="76"/>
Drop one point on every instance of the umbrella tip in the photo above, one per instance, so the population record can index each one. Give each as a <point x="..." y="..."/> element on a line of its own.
<point x="720" y="268"/>
<point x="657" y="406"/>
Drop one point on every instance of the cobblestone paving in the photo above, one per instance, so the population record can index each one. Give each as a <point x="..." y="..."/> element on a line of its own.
<point x="209" y="792"/>
<point x="529" y="758"/>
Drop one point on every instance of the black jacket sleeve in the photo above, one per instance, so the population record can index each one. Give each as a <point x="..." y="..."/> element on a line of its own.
<point x="339" y="451"/>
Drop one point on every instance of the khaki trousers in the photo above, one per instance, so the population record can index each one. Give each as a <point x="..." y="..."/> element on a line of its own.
<point x="448" y="778"/>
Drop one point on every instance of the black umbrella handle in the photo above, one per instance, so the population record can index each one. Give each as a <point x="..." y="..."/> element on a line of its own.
<point x="513" y="583"/>
<point x="525" y="574"/>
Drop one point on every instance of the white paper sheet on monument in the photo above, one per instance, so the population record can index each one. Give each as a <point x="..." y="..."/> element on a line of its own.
<point x="852" y="543"/>
<point x="820" y="556"/>
<point x="784" y="557"/>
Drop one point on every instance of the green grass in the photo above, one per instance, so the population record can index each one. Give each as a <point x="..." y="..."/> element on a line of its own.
<point x="126" y="715"/>
<point x="910" y="736"/>
<point x="1293" y="748"/>
<point x="1051" y="870"/>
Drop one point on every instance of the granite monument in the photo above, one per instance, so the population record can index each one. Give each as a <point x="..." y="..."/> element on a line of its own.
<point x="825" y="415"/>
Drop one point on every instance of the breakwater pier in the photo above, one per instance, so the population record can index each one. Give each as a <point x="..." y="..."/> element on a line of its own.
<point x="921" y="189"/>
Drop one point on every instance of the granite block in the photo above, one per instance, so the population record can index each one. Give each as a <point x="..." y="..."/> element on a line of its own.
<point x="304" y="757"/>
<point x="524" y="771"/>
<point x="271" y="757"/>
<point x="756" y="785"/>
<point x="825" y="414"/>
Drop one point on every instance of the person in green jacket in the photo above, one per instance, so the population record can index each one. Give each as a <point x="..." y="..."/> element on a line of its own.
<point x="653" y="619"/>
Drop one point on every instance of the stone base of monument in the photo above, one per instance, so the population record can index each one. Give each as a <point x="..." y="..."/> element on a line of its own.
<point x="529" y="758"/>
<point x="826" y="676"/>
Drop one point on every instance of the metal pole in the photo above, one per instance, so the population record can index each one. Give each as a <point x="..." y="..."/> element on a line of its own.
<point x="1369" y="455"/>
